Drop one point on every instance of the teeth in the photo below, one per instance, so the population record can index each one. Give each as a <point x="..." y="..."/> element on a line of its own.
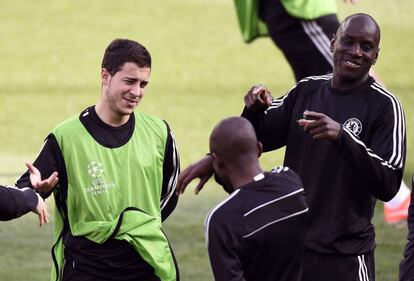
<point x="351" y="63"/>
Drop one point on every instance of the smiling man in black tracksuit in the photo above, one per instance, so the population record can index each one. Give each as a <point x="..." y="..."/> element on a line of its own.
<point x="345" y="137"/>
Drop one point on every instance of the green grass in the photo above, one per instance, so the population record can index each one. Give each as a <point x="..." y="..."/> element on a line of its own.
<point x="50" y="56"/>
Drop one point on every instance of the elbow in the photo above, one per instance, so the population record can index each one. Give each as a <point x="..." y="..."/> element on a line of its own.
<point x="386" y="197"/>
<point x="388" y="192"/>
<point x="388" y="186"/>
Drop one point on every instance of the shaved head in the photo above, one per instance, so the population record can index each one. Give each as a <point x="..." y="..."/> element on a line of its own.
<point x="234" y="141"/>
<point x="235" y="152"/>
<point x="363" y="21"/>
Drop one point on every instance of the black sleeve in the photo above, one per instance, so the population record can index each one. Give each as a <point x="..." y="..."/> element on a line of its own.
<point x="49" y="160"/>
<point x="16" y="202"/>
<point x="380" y="162"/>
<point x="171" y="169"/>
<point x="272" y="125"/>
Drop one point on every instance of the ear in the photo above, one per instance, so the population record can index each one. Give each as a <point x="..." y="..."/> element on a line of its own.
<point x="331" y="45"/>
<point x="105" y="76"/>
<point x="259" y="149"/>
<point x="376" y="56"/>
<point x="217" y="160"/>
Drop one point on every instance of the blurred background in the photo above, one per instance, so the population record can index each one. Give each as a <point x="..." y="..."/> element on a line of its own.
<point x="50" y="56"/>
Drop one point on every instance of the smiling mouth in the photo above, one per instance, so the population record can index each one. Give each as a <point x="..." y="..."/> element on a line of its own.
<point x="131" y="101"/>
<point x="351" y="64"/>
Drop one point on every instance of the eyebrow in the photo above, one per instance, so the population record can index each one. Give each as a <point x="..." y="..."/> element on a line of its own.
<point x="133" y="79"/>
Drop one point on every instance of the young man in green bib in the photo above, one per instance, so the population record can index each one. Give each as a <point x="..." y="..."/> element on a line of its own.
<point x="117" y="173"/>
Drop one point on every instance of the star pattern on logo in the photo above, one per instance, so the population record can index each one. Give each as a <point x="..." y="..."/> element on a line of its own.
<point x="95" y="169"/>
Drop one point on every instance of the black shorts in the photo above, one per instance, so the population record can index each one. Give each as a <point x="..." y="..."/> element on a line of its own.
<point x="73" y="271"/>
<point x="304" y="43"/>
<point x="323" y="267"/>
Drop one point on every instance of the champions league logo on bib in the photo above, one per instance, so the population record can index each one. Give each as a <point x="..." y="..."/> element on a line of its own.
<point x="96" y="171"/>
<point x="354" y="125"/>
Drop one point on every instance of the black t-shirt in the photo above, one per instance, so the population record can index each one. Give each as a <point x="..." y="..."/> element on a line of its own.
<point x="258" y="232"/>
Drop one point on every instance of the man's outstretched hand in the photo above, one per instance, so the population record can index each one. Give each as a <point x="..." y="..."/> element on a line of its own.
<point x="40" y="185"/>
<point x="202" y="169"/>
<point x="41" y="211"/>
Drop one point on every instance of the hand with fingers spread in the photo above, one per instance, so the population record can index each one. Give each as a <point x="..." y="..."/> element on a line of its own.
<point x="258" y="98"/>
<point x="202" y="169"/>
<point x="319" y="125"/>
<point x="41" y="211"/>
<point x="40" y="185"/>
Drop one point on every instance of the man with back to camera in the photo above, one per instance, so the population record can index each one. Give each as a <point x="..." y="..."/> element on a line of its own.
<point x="345" y="137"/>
<point x="258" y="232"/>
<point x="117" y="174"/>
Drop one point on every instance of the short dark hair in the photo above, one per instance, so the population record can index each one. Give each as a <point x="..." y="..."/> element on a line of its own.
<point x="120" y="51"/>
